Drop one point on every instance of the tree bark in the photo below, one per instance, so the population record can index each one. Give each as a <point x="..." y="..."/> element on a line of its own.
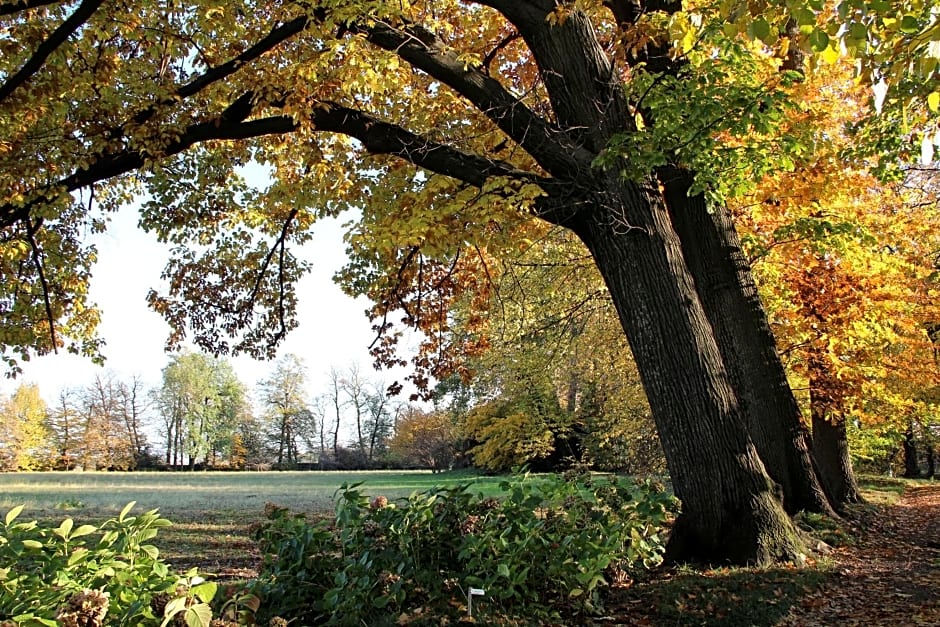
<point x="730" y="508"/>
<point x="911" y="467"/>
<point x="831" y="450"/>
<point x="724" y="283"/>
<point x="931" y="460"/>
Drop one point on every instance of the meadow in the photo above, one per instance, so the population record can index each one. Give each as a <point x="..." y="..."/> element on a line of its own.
<point x="211" y="511"/>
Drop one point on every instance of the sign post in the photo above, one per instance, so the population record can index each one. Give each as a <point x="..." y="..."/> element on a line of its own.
<point x="473" y="592"/>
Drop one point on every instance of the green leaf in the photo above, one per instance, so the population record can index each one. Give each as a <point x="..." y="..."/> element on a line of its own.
<point x="84" y="530"/>
<point x="32" y="544"/>
<point x="174" y="607"/>
<point x="804" y="17"/>
<point x="502" y="570"/>
<point x="199" y="615"/>
<point x="858" y="31"/>
<point x="13" y="513"/>
<point x="205" y="591"/>
<point x="151" y="551"/>
<point x="818" y="39"/>
<point x="760" y="29"/>
<point x="32" y="619"/>
<point x="126" y="510"/>
<point x="64" y="529"/>
<point x="909" y="25"/>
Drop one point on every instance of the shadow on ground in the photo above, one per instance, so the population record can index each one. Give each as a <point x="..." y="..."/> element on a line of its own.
<point x="724" y="596"/>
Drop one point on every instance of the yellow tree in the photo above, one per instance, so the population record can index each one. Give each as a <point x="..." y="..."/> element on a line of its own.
<point x="425" y="439"/>
<point x="23" y="431"/>
<point x="843" y="262"/>
<point x="539" y="345"/>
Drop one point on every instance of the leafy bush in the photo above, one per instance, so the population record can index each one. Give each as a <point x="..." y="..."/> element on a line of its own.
<point x="93" y="576"/>
<point x="544" y="549"/>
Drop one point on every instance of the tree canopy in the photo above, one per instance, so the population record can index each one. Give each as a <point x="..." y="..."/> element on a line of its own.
<point x="102" y="101"/>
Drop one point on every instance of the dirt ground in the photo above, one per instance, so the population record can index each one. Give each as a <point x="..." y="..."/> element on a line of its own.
<point x="889" y="575"/>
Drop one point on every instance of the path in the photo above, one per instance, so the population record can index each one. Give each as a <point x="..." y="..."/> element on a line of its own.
<point x="892" y="577"/>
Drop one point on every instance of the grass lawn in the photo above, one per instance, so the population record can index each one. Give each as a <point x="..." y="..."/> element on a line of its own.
<point x="211" y="511"/>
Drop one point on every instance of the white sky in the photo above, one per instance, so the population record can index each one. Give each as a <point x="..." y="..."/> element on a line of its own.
<point x="333" y="331"/>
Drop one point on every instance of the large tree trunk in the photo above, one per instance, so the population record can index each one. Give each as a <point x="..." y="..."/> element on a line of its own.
<point x="731" y="511"/>
<point x="831" y="449"/>
<point x="724" y="283"/>
<point x="730" y="508"/>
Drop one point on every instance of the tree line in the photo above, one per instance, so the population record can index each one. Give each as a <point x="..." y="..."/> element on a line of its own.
<point x="199" y="416"/>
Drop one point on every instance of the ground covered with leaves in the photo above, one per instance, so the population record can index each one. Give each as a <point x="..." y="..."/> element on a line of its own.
<point x="886" y="572"/>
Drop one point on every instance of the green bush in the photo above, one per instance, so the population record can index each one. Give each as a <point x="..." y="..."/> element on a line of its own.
<point x="94" y="575"/>
<point x="542" y="551"/>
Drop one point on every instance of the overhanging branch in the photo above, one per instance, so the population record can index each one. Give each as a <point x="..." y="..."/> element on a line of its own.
<point x="377" y="137"/>
<point x="9" y="8"/>
<point x="551" y="147"/>
<point x="84" y="11"/>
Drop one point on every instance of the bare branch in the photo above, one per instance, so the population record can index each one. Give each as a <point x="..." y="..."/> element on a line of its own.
<point x="47" y="301"/>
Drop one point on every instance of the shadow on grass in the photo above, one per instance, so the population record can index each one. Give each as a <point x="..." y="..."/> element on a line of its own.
<point x="721" y="597"/>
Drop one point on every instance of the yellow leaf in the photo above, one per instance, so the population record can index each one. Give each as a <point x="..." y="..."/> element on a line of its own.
<point x="830" y="55"/>
<point x="933" y="101"/>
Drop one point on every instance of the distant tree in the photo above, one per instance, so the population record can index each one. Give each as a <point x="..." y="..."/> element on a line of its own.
<point x="355" y="391"/>
<point x="249" y="448"/>
<point x="65" y="423"/>
<point x="107" y="443"/>
<point x="426" y="439"/>
<point x="201" y="401"/>
<point x="286" y="411"/>
<point x="134" y="403"/>
<point x="529" y="429"/>
<point x="379" y="421"/>
<point x="334" y="399"/>
<point x="24" y="435"/>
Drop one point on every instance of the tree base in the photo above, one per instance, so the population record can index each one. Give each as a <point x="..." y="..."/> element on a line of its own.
<point x="759" y="535"/>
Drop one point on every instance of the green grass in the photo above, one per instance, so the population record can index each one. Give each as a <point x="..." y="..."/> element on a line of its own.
<point x="211" y="511"/>
<point x="189" y="492"/>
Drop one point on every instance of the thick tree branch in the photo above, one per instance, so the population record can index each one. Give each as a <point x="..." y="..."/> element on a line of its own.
<point x="552" y="149"/>
<point x="229" y="125"/>
<point x="376" y="136"/>
<point x="213" y="75"/>
<point x="9" y="8"/>
<point x="585" y="92"/>
<point x="84" y="11"/>
<point x="379" y="137"/>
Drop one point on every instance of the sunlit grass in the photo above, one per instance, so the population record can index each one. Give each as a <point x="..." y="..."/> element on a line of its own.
<point x="211" y="511"/>
<point x="183" y="492"/>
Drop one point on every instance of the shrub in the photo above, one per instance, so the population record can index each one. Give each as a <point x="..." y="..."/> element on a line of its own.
<point x="94" y="576"/>
<point x="543" y="550"/>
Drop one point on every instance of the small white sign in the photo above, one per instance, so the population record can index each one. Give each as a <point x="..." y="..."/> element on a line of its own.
<point x="473" y="592"/>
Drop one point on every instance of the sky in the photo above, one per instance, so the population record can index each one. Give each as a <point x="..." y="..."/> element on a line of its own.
<point x="333" y="333"/>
